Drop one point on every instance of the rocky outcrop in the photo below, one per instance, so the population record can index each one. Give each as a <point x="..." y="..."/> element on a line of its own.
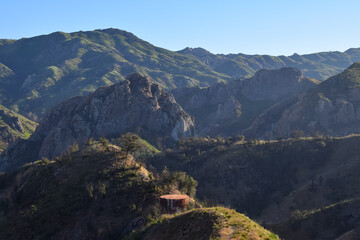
<point x="227" y="109"/>
<point x="331" y="108"/>
<point x="135" y="105"/>
<point x="276" y="84"/>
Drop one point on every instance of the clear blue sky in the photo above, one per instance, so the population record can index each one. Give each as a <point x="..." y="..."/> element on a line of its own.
<point x="273" y="27"/>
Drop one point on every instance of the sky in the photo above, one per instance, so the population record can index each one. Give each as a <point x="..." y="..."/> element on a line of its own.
<point x="274" y="27"/>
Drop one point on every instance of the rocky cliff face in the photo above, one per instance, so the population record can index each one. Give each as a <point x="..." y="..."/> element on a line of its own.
<point x="276" y="84"/>
<point x="331" y="108"/>
<point x="226" y="109"/>
<point x="135" y="105"/>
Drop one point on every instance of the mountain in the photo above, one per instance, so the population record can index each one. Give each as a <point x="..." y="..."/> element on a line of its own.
<point x="273" y="181"/>
<point x="331" y="108"/>
<point x="317" y="65"/>
<point x="227" y="109"/>
<point x="13" y="127"/>
<point x="134" y="105"/>
<point x="39" y="72"/>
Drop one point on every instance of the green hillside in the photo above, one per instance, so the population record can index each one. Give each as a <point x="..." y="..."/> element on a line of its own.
<point x="39" y="72"/>
<point x="207" y="223"/>
<point x="13" y="126"/>
<point x="51" y="68"/>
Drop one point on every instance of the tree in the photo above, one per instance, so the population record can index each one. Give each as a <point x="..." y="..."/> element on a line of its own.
<point x="129" y="142"/>
<point x="180" y="181"/>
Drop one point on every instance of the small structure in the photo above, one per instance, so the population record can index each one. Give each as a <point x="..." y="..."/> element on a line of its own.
<point x="173" y="202"/>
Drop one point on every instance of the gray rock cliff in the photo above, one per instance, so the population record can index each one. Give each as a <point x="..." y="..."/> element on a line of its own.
<point x="134" y="105"/>
<point x="227" y="109"/>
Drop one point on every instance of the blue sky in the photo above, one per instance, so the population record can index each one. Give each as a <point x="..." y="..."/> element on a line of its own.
<point x="273" y="27"/>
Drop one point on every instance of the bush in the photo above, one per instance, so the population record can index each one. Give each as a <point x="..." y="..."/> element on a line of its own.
<point x="129" y="142"/>
<point x="297" y="134"/>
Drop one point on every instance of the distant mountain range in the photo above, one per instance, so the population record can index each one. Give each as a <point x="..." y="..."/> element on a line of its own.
<point x="39" y="72"/>
<point x="317" y="65"/>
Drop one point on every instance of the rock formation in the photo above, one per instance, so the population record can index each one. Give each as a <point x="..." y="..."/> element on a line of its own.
<point x="135" y="105"/>
<point x="331" y="108"/>
<point x="227" y="109"/>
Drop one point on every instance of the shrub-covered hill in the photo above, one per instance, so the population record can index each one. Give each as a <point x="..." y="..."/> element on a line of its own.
<point x="13" y="126"/>
<point x="97" y="192"/>
<point x="269" y="180"/>
<point x="207" y="223"/>
<point x="102" y="192"/>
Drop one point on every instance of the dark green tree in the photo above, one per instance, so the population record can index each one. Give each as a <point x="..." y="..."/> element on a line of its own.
<point x="129" y="142"/>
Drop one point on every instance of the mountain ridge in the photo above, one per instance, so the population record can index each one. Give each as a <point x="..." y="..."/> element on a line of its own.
<point x="320" y="65"/>
<point x="51" y="68"/>
<point x="44" y="70"/>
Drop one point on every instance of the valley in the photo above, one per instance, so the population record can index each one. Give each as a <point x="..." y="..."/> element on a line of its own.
<point x="96" y="125"/>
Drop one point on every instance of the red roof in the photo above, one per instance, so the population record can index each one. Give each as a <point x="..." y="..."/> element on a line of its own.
<point x="174" y="196"/>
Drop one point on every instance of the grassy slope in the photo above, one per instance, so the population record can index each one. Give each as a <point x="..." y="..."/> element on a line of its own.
<point x="328" y="222"/>
<point x="14" y="126"/>
<point x="207" y="223"/>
